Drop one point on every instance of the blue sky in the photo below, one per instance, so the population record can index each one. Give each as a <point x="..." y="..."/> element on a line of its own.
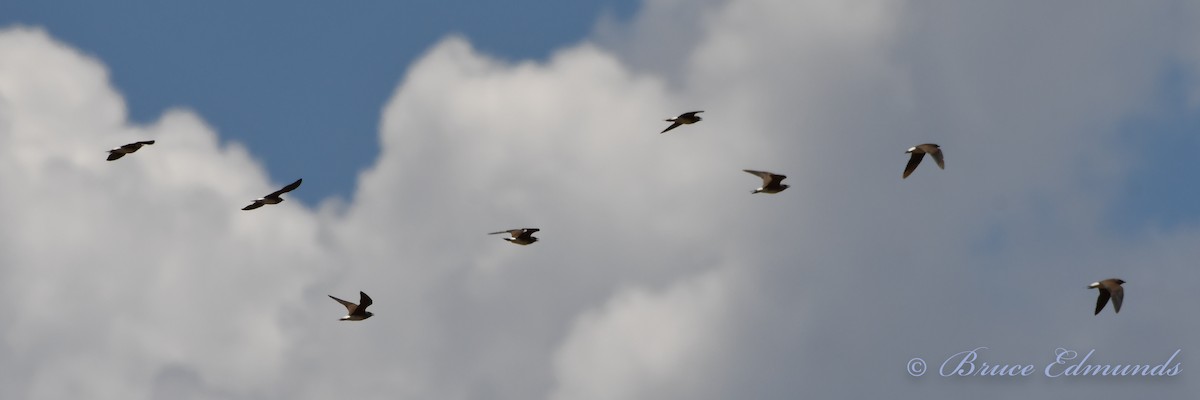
<point x="1070" y="138"/>
<point x="1161" y="192"/>
<point x="300" y="83"/>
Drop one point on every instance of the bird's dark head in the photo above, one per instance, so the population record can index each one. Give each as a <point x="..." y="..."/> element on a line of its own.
<point x="784" y="186"/>
<point x="369" y="314"/>
<point x="1119" y="282"/>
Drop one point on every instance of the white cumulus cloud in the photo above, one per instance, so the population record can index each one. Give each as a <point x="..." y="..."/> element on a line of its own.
<point x="658" y="274"/>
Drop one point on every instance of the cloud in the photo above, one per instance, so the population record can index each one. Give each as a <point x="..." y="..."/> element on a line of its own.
<point x="115" y="270"/>
<point x="658" y="274"/>
<point x="643" y="345"/>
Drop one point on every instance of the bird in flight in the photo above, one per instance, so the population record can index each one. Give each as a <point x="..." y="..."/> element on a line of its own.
<point x="685" y="118"/>
<point x="274" y="197"/>
<point x="356" y="312"/>
<point x="771" y="182"/>
<point x="521" y="236"/>
<point x="918" y="152"/>
<point x="1109" y="288"/>
<point x="118" y="152"/>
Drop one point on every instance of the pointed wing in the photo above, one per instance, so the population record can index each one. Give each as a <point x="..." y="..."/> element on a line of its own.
<point x="937" y="156"/>
<point x="113" y="155"/>
<point x="349" y="306"/>
<point x="673" y="126"/>
<point x="290" y="187"/>
<point x="913" y="161"/>
<point x="146" y="142"/>
<point x="256" y="204"/>
<point x="1101" y="301"/>
<point x="1118" y="295"/>
<point x="513" y="232"/>
<point x="364" y="301"/>
<point x="765" y="176"/>
<point x="761" y="174"/>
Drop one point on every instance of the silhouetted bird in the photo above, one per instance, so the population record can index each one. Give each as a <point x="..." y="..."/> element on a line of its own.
<point x="1109" y="288"/>
<point x="522" y="236"/>
<point x="356" y="312"/>
<point x="918" y="152"/>
<point x="771" y="182"/>
<point x="685" y="118"/>
<point x="273" y="198"/>
<point x="118" y="152"/>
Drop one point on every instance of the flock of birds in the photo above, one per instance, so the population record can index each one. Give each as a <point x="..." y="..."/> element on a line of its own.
<point x="771" y="183"/>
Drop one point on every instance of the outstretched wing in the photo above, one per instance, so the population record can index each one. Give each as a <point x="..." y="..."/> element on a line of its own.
<point x="364" y="301"/>
<point x="513" y="232"/>
<point x="673" y="126"/>
<point x="290" y="187"/>
<point x="764" y="175"/>
<point x="146" y="142"/>
<point x="526" y="232"/>
<point x="1101" y="301"/>
<point x="913" y="161"/>
<point x="252" y="206"/>
<point x="690" y="114"/>
<point x="937" y="156"/>
<point x="349" y="306"/>
<point x="1118" y="295"/>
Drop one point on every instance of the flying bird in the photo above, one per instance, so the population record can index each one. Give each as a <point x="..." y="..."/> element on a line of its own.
<point x="685" y="118"/>
<point x="273" y="198"/>
<point x="356" y="312"/>
<point x="771" y="182"/>
<point x="118" y="152"/>
<point x="918" y="152"/>
<point x="521" y="236"/>
<point x="1109" y="288"/>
